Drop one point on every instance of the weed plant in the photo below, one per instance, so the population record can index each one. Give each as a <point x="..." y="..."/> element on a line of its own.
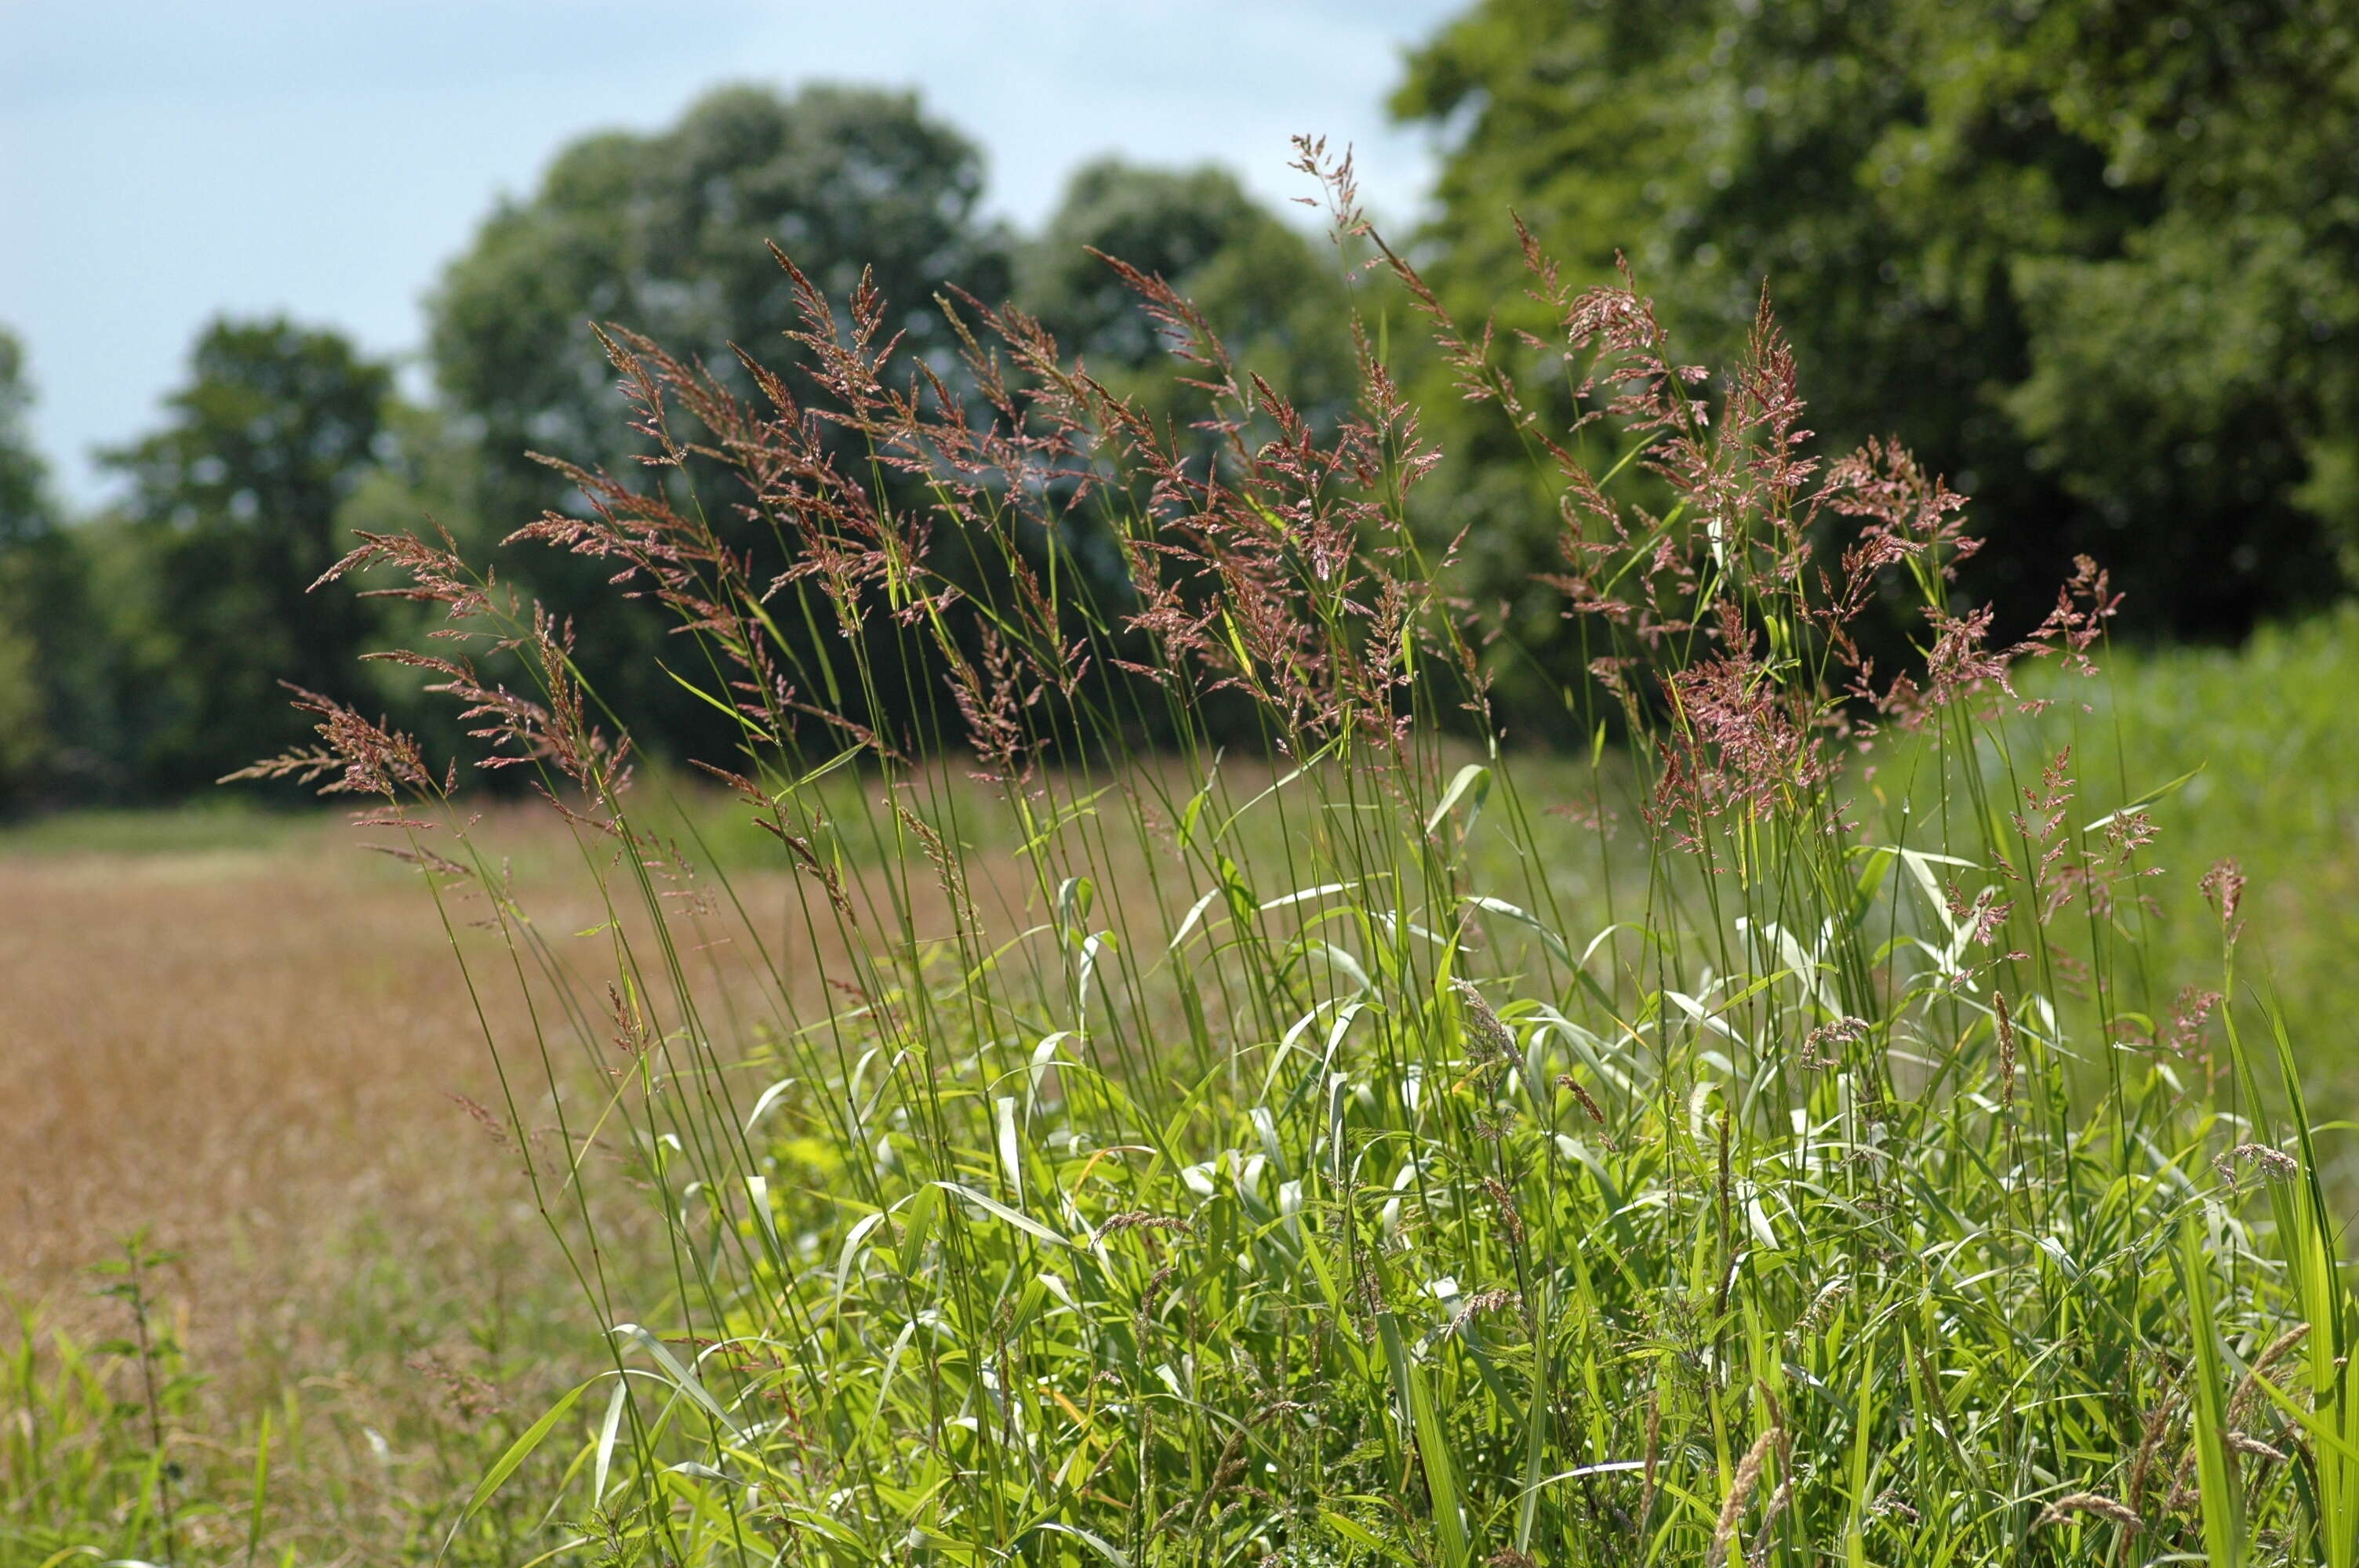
<point x="1184" y="1106"/>
<point x="119" y="1449"/>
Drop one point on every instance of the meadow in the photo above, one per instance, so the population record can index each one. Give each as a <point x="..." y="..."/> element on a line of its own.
<point x="1314" y="1136"/>
<point x="355" y="1252"/>
<point x="231" y="1052"/>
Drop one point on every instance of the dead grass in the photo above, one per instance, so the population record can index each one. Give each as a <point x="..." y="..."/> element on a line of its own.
<point x="245" y="1042"/>
<point x="246" y="1037"/>
<point x="248" y="1051"/>
<point x="248" y="1040"/>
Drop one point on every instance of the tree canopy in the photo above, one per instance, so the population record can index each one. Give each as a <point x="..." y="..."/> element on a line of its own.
<point x="26" y="519"/>
<point x="2094" y="258"/>
<point x="235" y="505"/>
<point x="1277" y="303"/>
<point x="25" y="507"/>
<point x="668" y="234"/>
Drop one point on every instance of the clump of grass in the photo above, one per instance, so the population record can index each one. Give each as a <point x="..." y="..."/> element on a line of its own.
<point x="89" y="1438"/>
<point x="1325" y="1141"/>
<point x="123" y="1445"/>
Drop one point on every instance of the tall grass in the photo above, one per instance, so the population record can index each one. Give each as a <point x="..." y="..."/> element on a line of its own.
<point x="2262" y="738"/>
<point x="1185" y="1106"/>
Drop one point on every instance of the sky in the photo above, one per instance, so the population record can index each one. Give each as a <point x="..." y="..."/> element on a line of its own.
<point x="162" y="161"/>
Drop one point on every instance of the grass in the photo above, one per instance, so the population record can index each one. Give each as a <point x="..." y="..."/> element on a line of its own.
<point x="2265" y="732"/>
<point x="381" y="1284"/>
<point x="221" y="824"/>
<point x="1318" y="1136"/>
<point x="244" y="1049"/>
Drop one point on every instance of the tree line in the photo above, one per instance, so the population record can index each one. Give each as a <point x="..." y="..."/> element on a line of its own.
<point x="2097" y="260"/>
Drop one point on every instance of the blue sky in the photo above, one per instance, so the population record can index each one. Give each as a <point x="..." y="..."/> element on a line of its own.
<point x="160" y="162"/>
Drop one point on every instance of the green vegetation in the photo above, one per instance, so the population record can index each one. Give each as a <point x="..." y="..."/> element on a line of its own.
<point x="140" y="650"/>
<point x="236" y="508"/>
<point x="122" y="1444"/>
<point x="154" y="640"/>
<point x="1215" y="960"/>
<point x="2270" y="726"/>
<point x="669" y="234"/>
<point x="1278" y="302"/>
<point x="38" y="595"/>
<point x="1349" y="1148"/>
<point x="2094" y="260"/>
<point x="217" y="824"/>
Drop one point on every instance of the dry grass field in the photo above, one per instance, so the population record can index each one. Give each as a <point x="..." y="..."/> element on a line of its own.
<point x="246" y="1050"/>
<point x="250" y="1051"/>
<point x="246" y="1035"/>
<point x="243" y="1037"/>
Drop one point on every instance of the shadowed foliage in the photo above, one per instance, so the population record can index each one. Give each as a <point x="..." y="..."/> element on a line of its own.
<point x="2094" y="260"/>
<point x="234" y="508"/>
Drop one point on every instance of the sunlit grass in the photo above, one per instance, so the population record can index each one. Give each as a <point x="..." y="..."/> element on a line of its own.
<point x="1180" y="1101"/>
<point x="1311" y="1138"/>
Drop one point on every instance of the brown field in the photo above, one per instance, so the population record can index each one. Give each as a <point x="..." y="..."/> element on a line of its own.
<point x="249" y="1053"/>
<point x="255" y="1049"/>
<point x="261" y="1055"/>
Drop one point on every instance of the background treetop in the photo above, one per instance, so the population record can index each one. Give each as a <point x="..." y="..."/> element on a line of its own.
<point x="25" y="509"/>
<point x="236" y="508"/>
<point x="669" y="234"/>
<point x="2094" y="259"/>
<point x="1275" y="296"/>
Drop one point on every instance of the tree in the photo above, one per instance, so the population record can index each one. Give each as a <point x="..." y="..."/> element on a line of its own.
<point x="668" y="235"/>
<point x="235" y="512"/>
<point x="1278" y="305"/>
<point x="25" y="511"/>
<point x="2094" y="258"/>
<point x="26" y="520"/>
<point x="1280" y="308"/>
<point x="62" y="631"/>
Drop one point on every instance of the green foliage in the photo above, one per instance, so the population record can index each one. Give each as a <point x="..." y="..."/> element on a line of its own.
<point x="27" y="553"/>
<point x="2094" y="260"/>
<point x="120" y="1447"/>
<point x="90" y="1444"/>
<point x="1329" y="1152"/>
<point x="1280" y="305"/>
<point x="2262" y="738"/>
<point x="235" y="512"/>
<point x="24" y="508"/>
<point x="668" y="234"/>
